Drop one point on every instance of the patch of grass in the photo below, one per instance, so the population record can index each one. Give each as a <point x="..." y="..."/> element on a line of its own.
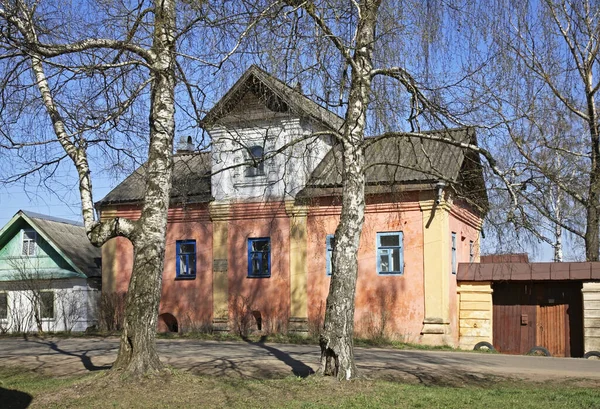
<point x="386" y="343"/>
<point x="303" y="340"/>
<point x="184" y="390"/>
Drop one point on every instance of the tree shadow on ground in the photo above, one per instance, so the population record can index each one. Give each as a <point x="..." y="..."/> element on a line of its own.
<point x="12" y="399"/>
<point x="299" y="368"/>
<point x="85" y="359"/>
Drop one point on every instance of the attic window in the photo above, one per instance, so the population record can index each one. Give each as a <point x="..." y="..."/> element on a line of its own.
<point x="29" y="239"/>
<point x="257" y="166"/>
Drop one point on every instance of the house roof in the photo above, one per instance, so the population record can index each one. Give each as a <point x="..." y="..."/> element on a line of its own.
<point x="395" y="159"/>
<point x="191" y="181"/>
<point x="276" y="95"/>
<point x="519" y="271"/>
<point x="69" y="240"/>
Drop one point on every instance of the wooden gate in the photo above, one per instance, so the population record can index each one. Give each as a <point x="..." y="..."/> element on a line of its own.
<point x="547" y="314"/>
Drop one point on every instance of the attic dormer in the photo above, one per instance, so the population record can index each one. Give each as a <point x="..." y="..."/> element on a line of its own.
<point x="260" y="133"/>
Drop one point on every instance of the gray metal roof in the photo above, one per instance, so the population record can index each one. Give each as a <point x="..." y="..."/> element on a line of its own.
<point x="276" y="95"/>
<point x="401" y="159"/>
<point x="70" y="239"/>
<point x="191" y="181"/>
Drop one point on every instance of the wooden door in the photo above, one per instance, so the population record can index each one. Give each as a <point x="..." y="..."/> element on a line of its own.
<point x="559" y="318"/>
<point x="514" y="318"/>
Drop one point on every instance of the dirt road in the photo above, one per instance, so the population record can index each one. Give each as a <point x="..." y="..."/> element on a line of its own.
<point x="259" y="360"/>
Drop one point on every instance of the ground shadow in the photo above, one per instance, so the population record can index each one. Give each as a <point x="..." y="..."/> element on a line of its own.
<point x="299" y="368"/>
<point x="12" y="399"/>
<point x="85" y="359"/>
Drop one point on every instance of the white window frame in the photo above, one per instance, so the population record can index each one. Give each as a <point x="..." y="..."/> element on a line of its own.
<point x="31" y="242"/>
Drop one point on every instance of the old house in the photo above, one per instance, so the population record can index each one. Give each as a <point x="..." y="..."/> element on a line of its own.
<point x="252" y="222"/>
<point x="50" y="275"/>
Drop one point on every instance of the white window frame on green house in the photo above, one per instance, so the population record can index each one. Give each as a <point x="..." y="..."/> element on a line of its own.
<point x="28" y="242"/>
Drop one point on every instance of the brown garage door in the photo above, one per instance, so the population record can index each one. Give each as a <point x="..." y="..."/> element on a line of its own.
<point x="547" y="314"/>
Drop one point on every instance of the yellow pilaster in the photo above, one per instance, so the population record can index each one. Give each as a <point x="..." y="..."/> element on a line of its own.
<point x="436" y="269"/>
<point x="298" y="267"/>
<point x="219" y="213"/>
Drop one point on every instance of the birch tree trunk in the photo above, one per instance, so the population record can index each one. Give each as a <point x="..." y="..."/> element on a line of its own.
<point x="336" y="340"/>
<point x="137" y="352"/>
<point x="592" y="246"/>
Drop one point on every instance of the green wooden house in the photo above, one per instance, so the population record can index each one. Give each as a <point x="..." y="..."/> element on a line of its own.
<point x="50" y="275"/>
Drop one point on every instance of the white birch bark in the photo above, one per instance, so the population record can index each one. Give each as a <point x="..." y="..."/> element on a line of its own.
<point x="137" y="354"/>
<point x="337" y="345"/>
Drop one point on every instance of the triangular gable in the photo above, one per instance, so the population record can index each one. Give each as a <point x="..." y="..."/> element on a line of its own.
<point x="31" y="222"/>
<point x="275" y="95"/>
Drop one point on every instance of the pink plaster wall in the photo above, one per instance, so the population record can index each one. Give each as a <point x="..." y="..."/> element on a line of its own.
<point x="189" y="301"/>
<point x="392" y="303"/>
<point x="270" y="296"/>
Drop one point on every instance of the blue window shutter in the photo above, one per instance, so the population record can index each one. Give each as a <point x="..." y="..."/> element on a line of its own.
<point x="329" y="253"/>
<point x="258" y="248"/>
<point x="250" y="257"/>
<point x="401" y="253"/>
<point x="185" y="259"/>
<point x="177" y="259"/>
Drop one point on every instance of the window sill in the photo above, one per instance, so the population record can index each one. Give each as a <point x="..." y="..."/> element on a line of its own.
<point x="251" y="181"/>
<point x="392" y="273"/>
<point x="185" y="278"/>
<point x="256" y="276"/>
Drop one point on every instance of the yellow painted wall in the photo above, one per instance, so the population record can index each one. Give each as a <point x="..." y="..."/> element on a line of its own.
<point x="591" y="316"/>
<point x="219" y="214"/>
<point x="475" y="313"/>
<point x="298" y="261"/>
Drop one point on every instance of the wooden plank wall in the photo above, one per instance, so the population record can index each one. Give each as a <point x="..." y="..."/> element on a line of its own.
<point x="591" y="316"/>
<point x="475" y="313"/>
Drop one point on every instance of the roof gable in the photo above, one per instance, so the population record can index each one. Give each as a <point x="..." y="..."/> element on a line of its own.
<point x="274" y="94"/>
<point x="67" y="238"/>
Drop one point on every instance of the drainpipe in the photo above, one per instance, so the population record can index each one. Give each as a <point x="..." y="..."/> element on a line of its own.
<point x="440" y="185"/>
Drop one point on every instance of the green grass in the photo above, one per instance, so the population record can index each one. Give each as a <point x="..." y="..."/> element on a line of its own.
<point x="184" y="390"/>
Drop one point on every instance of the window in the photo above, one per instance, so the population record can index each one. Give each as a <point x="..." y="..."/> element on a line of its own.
<point x="3" y="306"/>
<point x="390" y="257"/>
<point x="257" y="168"/>
<point x="29" y="238"/>
<point x="329" y="243"/>
<point x="259" y="257"/>
<point x="453" y="253"/>
<point x="186" y="258"/>
<point x="47" y="305"/>
<point x="471" y="251"/>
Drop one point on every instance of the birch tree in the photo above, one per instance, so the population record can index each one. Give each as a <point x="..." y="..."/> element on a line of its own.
<point x="93" y="69"/>
<point x="356" y="33"/>
<point x="548" y="70"/>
